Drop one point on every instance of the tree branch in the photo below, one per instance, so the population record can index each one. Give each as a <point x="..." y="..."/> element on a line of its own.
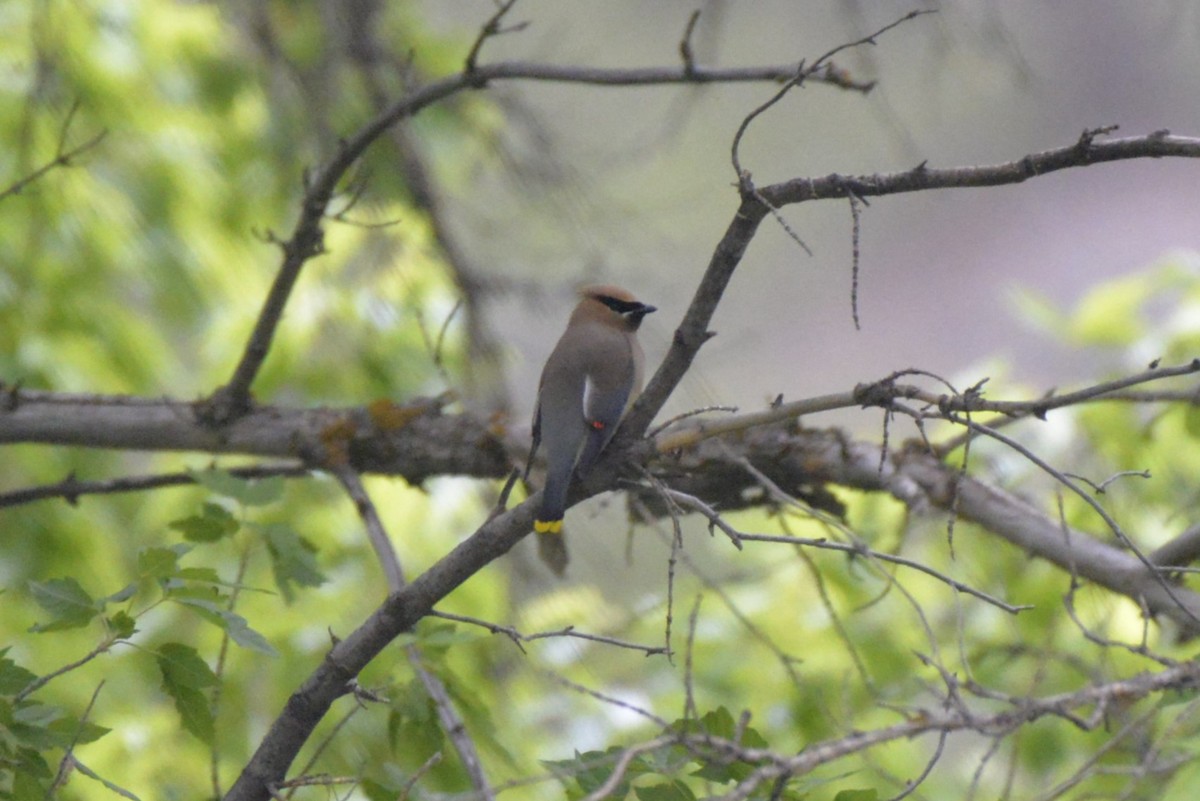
<point x="693" y="331"/>
<point x="415" y="440"/>
<point x="307" y="239"/>
<point x="63" y="157"/>
<point x="1160" y="144"/>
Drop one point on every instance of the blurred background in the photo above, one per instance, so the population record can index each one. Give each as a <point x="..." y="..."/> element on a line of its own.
<point x="452" y="262"/>
<point x="634" y="186"/>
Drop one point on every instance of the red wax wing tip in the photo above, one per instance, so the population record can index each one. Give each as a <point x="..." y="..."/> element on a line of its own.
<point x="598" y="425"/>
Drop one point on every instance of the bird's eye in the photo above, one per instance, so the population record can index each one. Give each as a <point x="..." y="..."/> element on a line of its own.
<point x="620" y="306"/>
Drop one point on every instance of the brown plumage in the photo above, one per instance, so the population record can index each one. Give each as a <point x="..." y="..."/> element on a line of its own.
<point x="592" y="376"/>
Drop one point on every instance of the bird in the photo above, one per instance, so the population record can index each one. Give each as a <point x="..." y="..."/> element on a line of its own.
<point x="590" y="380"/>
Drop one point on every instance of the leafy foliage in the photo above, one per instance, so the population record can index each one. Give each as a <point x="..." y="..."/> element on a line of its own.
<point x="140" y="267"/>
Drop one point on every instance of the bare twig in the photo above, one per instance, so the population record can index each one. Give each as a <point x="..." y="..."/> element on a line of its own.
<point x="658" y="429"/>
<point x="41" y="681"/>
<point x="1112" y="524"/>
<point x="685" y="44"/>
<point x="855" y="261"/>
<point x="434" y="760"/>
<point x="233" y="400"/>
<point x="304" y="779"/>
<point x="690" y="712"/>
<point x="1102" y="487"/>
<point x="451" y="721"/>
<point x="91" y="774"/>
<point x="68" y="760"/>
<point x="214" y="768"/>
<point x="712" y="515"/>
<point x="62" y="156"/>
<point x="70" y="488"/>
<point x="491" y="28"/>
<point x="803" y="73"/>
<point x="569" y="631"/>
<point x="389" y="561"/>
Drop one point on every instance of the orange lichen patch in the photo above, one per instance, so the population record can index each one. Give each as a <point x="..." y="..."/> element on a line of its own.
<point x="498" y="424"/>
<point x="336" y="438"/>
<point x="389" y="416"/>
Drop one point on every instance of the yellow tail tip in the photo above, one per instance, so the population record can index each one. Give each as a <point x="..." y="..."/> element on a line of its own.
<point x="548" y="526"/>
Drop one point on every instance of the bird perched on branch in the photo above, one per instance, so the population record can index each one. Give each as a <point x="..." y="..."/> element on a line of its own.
<point x="590" y="380"/>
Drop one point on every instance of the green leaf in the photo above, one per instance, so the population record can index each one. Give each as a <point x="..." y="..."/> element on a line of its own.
<point x="68" y="603"/>
<point x="70" y="730"/>
<point x="238" y="629"/>
<point x="262" y="491"/>
<point x="718" y="723"/>
<point x="120" y="596"/>
<point x="412" y="724"/>
<point x="436" y="637"/>
<point x="182" y="666"/>
<point x="1038" y="312"/>
<point x="1110" y="314"/>
<point x="13" y="677"/>
<point x="1191" y="420"/>
<point x="590" y="769"/>
<point x="195" y="712"/>
<point x="869" y="794"/>
<point x="257" y="492"/>
<point x="721" y="773"/>
<point x="293" y="559"/>
<point x="122" y="626"/>
<point x="205" y="574"/>
<point x="184" y="675"/>
<point x="674" y="790"/>
<point x="157" y="562"/>
<point x="42" y="727"/>
<point x="27" y="787"/>
<point x="213" y="523"/>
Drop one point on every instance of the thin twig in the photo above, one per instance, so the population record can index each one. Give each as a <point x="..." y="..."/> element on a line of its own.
<point x="219" y="671"/>
<point x="62" y="157"/>
<point x="712" y="515"/>
<point x="91" y="774"/>
<point x="685" y="44"/>
<point x="452" y="724"/>
<point x="487" y="31"/>
<point x="104" y="647"/>
<point x="1112" y="524"/>
<point x="303" y="779"/>
<point x="855" y="261"/>
<point x="233" y="399"/>
<point x="569" y="631"/>
<point x="70" y="488"/>
<point x="68" y="759"/>
<point x="802" y="74"/>
<point x="690" y="712"/>
<point x="434" y="760"/>
<point x="658" y="429"/>
<point x="385" y="552"/>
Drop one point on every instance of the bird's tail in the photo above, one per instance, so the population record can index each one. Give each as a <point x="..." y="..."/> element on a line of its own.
<point x="552" y="549"/>
<point x="548" y="525"/>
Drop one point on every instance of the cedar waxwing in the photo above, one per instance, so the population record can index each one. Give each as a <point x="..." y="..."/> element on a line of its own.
<point x="591" y="378"/>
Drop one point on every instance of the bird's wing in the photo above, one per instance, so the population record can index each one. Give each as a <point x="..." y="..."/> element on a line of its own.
<point x="605" y="394"/>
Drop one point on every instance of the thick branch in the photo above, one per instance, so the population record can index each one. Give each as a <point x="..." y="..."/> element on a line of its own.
<point x="414" y="441"/>
<point x="802" y="462"/>
<point x="399" y="613"/>
<point x="693" y="330"/>
<point x="1084" y="153"/>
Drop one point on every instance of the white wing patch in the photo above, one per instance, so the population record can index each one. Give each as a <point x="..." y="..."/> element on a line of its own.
<point x="588" y="388"/>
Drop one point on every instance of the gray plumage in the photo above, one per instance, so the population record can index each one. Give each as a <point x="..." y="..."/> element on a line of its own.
<point x="592" y="376"/>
